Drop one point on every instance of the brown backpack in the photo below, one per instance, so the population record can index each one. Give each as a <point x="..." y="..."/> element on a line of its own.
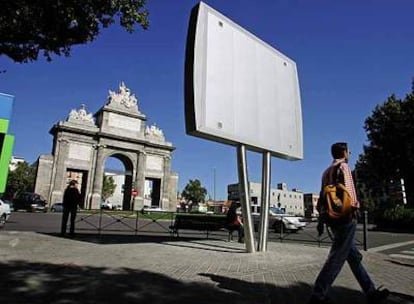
<point x="334" y="204"/>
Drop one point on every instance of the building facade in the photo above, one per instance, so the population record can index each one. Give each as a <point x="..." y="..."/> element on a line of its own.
<point x="310" y="201"/>
<point x="291" y="201"/>
<point x="83" y="142"/>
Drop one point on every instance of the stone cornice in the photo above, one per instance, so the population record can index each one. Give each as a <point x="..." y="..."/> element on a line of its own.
<point x="60" y="127"/>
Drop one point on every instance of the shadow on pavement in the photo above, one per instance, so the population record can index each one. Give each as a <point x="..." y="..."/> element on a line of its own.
<point x="22" y="282"/>
<point x="407" y="263"/>
<point x="299" y="293"/>
<point x="121" y="238"/>
<point x="190" y="242"/>
<point x="403" y="298"/>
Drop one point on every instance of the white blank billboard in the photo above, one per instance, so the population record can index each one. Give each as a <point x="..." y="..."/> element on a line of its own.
<point x="240" y="90"/>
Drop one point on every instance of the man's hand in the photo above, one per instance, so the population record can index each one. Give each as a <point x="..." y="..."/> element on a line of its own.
<point x="320" y="228"/>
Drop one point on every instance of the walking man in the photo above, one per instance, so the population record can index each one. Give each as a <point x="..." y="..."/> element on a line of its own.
<point x="71" y="201"/>
<point x="343" y="247"/>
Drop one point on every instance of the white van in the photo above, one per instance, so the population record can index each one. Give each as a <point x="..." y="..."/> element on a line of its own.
<point x="4" y="213"/>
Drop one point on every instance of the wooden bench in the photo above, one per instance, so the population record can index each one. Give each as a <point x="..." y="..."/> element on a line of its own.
<point x="200" y="222"/>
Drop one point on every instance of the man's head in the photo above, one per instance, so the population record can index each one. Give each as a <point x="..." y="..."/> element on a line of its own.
<point x="340" y="150"/>
<point x="73" y="183"/>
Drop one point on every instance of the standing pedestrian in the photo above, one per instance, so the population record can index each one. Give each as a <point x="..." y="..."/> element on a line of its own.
<point x="343" y="246"/>
<point x="71" y="201"/>
<point x="234" y="221"/>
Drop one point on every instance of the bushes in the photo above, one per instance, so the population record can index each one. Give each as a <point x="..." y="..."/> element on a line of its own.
<point x="398" y="218"/>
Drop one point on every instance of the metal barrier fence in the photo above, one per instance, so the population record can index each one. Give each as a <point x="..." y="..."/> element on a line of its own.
<point x="134" y="222"/>
<point x="159" y="222"/>
<point x="311" y="235"/>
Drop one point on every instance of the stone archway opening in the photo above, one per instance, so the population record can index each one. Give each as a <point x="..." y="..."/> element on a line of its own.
<point x="81" y="176"/>
<point x="152" y="192"/>
<point x="120" y="169"/>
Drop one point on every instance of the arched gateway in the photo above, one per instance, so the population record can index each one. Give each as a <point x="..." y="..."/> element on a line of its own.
<point x="82" y="143"/>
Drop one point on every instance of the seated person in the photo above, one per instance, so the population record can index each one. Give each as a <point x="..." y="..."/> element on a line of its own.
<point x="234" y="221"/>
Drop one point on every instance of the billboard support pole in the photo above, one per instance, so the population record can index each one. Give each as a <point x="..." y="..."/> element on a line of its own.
<point x="245" y="198"/>
<point x="264" y="213"/>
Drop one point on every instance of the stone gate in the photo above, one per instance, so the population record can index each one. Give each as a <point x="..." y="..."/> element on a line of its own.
<point x="83" y="142"/>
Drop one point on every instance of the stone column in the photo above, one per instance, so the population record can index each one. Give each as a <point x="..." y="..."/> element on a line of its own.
<point x="98" y="177"/>
<point x="140" y="180"/>
<point x="59" y="172"/>
<point x="165" y="190"/>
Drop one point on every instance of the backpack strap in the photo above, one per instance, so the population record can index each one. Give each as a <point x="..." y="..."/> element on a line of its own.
<point x="336" y="174"/>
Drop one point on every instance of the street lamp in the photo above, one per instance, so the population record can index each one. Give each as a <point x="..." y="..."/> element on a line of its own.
<point x="214" y="183"/>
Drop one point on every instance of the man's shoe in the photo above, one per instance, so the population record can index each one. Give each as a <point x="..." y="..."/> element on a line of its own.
<point x="315" y="300"/>
<point x="378" y="296"/>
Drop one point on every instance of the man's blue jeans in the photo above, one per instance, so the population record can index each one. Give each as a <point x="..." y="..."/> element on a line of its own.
<point x="343" y="249"/>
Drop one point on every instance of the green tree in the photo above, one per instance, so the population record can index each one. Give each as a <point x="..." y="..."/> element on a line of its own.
<point x="108" y="187"/>
<point x="194" y="192"/>
<point x="28" y="27"/>
<point x="389" y="154"/>
<point x="21" y="179"/>
<point x="365" y="190"/>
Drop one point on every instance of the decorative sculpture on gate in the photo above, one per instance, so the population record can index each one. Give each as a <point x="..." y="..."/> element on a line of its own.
<point x="123" y="97"/>
<point x="80" y="115"/>
<point x="155" y="133"/>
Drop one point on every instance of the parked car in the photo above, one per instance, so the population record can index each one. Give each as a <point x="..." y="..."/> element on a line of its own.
<point x="117" y="207"/>
<point x="8" y="202"/>
<point x="149" y="209"/>
<point x="278" y="220"/>
<point x="57" y="207"/>
<point x="30" y="202"/>
<point x="4" y="213"/>
<point x="110" y="206"/>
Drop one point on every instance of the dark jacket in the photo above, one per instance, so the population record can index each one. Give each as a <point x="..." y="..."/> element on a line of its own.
<point x="71" y="197"/>
<point x="231" y="217"/>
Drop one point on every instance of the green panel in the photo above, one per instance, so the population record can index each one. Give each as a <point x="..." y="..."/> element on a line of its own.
<point x="4" y="125"/>
<point x="6" y="153"/>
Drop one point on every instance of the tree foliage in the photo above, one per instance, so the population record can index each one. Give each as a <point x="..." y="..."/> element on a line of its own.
<point x="108" y="187"/>
<point x="194" y="191"/>
<point x="21" y="179"/>
<point x="389" y="154"/>
<point x="54" y="26"/>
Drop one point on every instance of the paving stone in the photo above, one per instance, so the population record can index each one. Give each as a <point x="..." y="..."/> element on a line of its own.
<point x="185" y="271"/>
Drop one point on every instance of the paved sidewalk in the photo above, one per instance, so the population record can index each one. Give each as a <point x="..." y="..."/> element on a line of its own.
<point x="40" y="268"/>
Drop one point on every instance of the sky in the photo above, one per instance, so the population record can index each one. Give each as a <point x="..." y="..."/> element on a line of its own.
<point x="351" y="56"/>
